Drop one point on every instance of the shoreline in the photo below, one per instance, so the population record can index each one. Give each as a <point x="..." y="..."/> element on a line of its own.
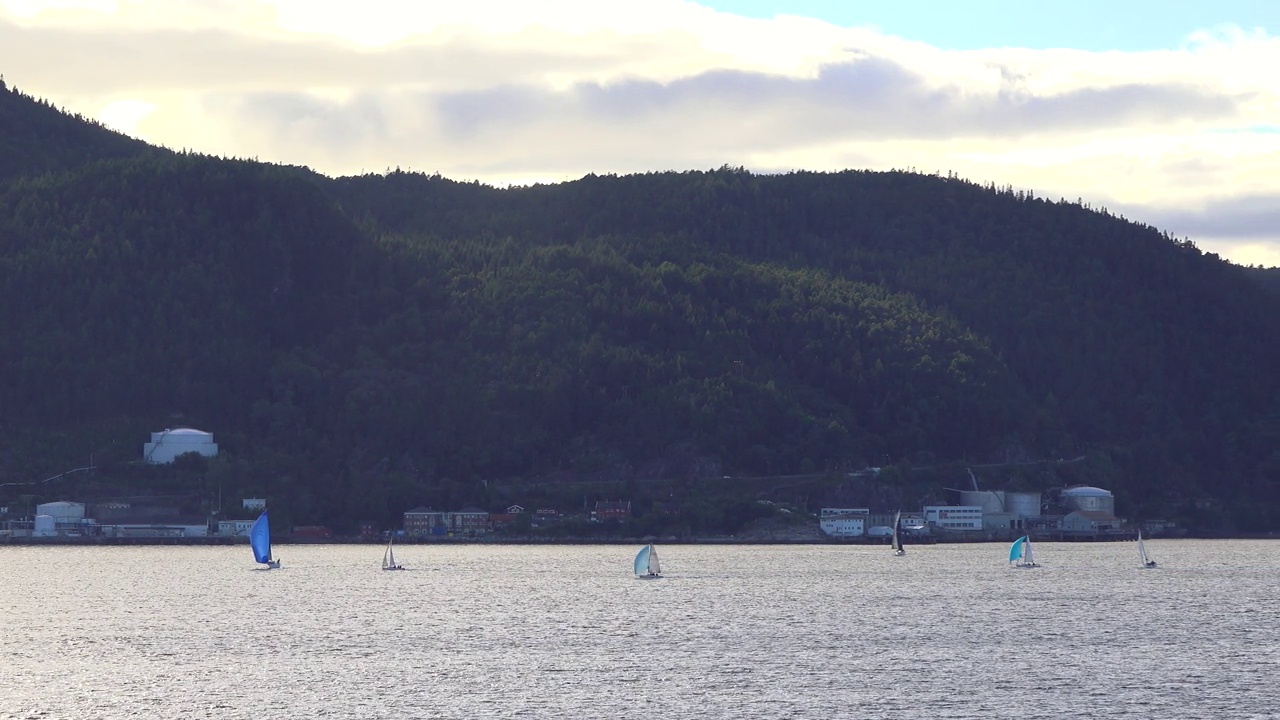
<point x="231" y="541"/>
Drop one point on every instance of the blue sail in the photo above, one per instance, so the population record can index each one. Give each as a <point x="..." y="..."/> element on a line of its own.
<point x="1016" y="550"/>
<point x="260" y="539"/>
<point x="642" y="561"/>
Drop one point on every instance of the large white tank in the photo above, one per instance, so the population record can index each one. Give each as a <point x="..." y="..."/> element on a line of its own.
<point x="1084" y="497"/>
<point x="168" y="445"/>
<point x="62" y="511"/>
<point x="45" y="526"/>
<point x="991" y="501"/>
<point x="1026" y="504"/>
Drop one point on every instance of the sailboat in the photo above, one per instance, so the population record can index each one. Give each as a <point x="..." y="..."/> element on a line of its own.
<point x="647" y="565"/>
<point x="898" y="550"/>
<point x="389" y="557"/>
<point x="260" y="541"/>
<point x="1020" y="553"/>
<point x="1147" y="562"/>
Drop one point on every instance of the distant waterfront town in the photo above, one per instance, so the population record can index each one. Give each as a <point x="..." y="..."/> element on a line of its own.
<point x="1080" y="512"/>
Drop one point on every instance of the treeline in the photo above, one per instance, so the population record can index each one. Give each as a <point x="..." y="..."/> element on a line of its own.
<point x="363" y="345"/>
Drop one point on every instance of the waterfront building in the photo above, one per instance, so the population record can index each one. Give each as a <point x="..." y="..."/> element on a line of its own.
<point x="1090" y="521"/>
<point x="174" y="526"/>
<point x="502" y="521"/>
<point x="843" y="526"/>
<point x="234" y="528"/>
<point x="954" y="517"/>
<point x="468" y="521"/>
<point x="841" y="512"/>
<point x="422" y="521"/>
<point x="611" y="510"/>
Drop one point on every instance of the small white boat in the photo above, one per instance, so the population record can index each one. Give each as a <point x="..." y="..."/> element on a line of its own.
<point x="260" y="541"/>
<point x="1147" y="562"/>
<point x="647" y="565"/>
<point x="1020" y="554"/>
<point x="389" y="557"/>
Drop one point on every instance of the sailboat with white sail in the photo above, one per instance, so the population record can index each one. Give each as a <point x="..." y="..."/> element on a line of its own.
<point x="260" y="541"/>
<point x="898" y="550"/>
<point x="389" y="557"/>
<point x="1147" y="562"/>
<point x="647" y="565"/>
<point x="1020" y="553"/>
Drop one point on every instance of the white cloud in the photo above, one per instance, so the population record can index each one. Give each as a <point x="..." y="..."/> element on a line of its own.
<point x="518" y="91"/>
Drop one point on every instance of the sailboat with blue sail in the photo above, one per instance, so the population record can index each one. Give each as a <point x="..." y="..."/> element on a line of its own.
<point x="1020" y="554"/>
<point x="647" y="565"/>
<point x="260" y="541"/>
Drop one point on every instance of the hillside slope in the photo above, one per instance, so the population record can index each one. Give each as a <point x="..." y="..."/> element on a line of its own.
<point x="362" y="345"/>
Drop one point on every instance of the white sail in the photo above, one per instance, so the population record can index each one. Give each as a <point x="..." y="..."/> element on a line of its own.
<point x="655" y="567"/>
<point x="897" y="541"/>
<point x="1020" y="553"/>
<point x="1147" y="562"/>
<point x="389" y="557"/>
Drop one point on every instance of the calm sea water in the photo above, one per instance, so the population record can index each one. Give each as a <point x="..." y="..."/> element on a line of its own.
<point x="947" y="631"/>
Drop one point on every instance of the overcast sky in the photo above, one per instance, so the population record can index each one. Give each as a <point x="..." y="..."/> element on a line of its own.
<point x="1166" y="112"/>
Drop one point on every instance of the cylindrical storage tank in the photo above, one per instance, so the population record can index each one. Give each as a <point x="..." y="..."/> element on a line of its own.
<point x="1084" y="497"/>
<point x="45" y="526"/>
<point x="1026" y="504"/>
<point x="991" y="501"/>
<point x="166" y="446"/>
<point x="62" y="511"/>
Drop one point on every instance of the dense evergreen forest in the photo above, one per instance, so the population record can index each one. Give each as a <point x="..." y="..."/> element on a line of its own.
<point x="363" y="345"/>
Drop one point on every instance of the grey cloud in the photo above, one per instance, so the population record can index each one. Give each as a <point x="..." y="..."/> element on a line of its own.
<point x="1245" y="217"/>
<point x="701" y="121"/>
<point x="871" y="98"/>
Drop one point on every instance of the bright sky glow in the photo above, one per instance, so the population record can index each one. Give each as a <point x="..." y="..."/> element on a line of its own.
<point x="1164" y="111"/>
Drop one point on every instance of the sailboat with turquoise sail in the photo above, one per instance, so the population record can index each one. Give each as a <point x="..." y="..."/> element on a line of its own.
<point x="647" y="565"/>
<point x="1147" y="562"/>
<point x="260" y="541"/>
<point x="1020" y="554"/>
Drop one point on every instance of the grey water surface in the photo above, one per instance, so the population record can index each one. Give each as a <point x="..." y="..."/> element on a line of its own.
<point x="731" y="631"/>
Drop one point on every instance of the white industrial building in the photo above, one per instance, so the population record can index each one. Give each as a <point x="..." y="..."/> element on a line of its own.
<point x="838" y="512"/>
<point x="954" y="517"/>
<point x="167" y="445"/>
<point x="843" y="525"/>
<point x="234" y="528"/>
<point x="161" y="528"/>
<point x="59" y="518"/>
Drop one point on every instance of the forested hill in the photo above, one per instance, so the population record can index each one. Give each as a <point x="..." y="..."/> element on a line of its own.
<point x="363" y="345"/>
<point x="36" y="137"/>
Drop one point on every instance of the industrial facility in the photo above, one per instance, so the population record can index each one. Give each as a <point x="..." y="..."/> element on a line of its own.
<point x="1080" y="511"/>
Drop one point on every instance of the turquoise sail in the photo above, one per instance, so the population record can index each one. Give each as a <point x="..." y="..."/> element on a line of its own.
<point x="642" y="561"/>
<point x="1016" y="550"/>
<point x="260" y="539"/>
